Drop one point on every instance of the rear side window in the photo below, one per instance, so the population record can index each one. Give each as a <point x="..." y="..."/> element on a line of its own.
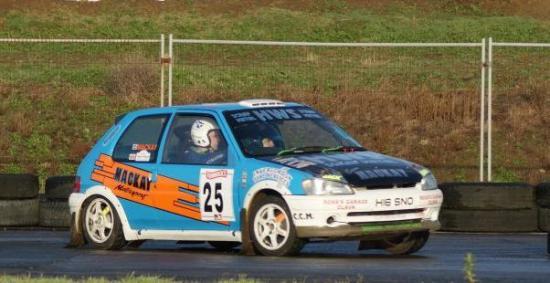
<point x="141" y="140"/>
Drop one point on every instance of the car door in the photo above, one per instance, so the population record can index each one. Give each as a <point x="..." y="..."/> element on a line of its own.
<point x="196" y="184"/>
<point x="133" y="168"/>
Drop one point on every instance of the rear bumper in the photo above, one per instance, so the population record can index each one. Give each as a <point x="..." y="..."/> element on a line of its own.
<point x="75" y="202"/>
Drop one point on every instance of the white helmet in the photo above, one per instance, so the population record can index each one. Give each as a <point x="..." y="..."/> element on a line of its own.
<point x="200" y="130"/>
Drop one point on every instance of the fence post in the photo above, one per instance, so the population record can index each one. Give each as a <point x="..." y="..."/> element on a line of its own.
<point x="170" y="54"/>
<point x="482" y="114"/>
<point x="162" y="70"/>
<point x="490" y="111"/>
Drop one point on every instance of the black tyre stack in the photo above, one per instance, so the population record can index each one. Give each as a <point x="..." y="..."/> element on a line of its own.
<point x="542" y="193"/>
<point x="54" y="206"/>
<point x="19" y="204"/>
<point x="488" y="207"/>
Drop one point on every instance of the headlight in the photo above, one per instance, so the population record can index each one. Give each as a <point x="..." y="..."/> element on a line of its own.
<point x="317" y="186"/>
<point x="429" y="182"/>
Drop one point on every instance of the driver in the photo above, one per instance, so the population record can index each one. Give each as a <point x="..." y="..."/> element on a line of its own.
<point x="208" y="144"/>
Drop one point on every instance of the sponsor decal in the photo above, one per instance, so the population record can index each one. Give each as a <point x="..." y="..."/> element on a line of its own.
<point x="149" y="147"/>
<point x="143" y="156"/>
<point x="244" y="179"/>
<point x="280" y="175"/>
<point x="216" y="174"/>
<point x="133" y="193"/>
<point x="134" y="184"/>
<point x="380" y="173"/>
<point x="302" y="216"/>
<point x="348" y="204"/>
<point x="133" y="179"/>
<point x="275" y="114"/>
<point x="340" y="160"/>
<point x="294" y="162"/>
<point x="432" y="199"/>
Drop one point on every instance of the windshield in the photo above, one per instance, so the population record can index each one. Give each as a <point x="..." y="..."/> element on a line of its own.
<point x="287" y="130"/>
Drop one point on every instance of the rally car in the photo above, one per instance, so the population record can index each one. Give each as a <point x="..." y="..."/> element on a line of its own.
<point x="264" y="174"/>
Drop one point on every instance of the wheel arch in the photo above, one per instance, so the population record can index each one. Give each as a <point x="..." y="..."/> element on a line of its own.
<point x="265" y="187"/>
<point x="102" y="191"/>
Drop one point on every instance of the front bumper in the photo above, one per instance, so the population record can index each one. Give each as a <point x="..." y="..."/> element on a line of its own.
<point x="365" y="230"/>
<point x="367" y="213"/>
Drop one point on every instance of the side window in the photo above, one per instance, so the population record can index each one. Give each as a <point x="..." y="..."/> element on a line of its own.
<point x="140" y="142"/>
<point x="195" y="140"/>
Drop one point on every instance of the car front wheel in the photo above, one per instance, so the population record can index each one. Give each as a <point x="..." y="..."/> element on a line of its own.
<point x="101" y="225"/>
<point x="271" y="227"/>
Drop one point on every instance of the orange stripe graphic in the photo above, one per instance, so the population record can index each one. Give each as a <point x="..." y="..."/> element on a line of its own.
<point x="164" y="194"/>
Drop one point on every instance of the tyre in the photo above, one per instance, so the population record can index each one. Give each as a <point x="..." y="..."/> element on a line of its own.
<point x="271" y="228"/>
<point x="59" y="187"/>
<point x="521" y="220"/>
<point x="55" y="214"/>
<point x="542" y="195"/>
<point x="224" y="246"/>
<point x="19" y="212"/>
<point x="544" y="219"/>
<point x="18" y="186"/>
<point x="406" y="244"/>
<point x="487" y="196"/>
<point x="101" y="224"/>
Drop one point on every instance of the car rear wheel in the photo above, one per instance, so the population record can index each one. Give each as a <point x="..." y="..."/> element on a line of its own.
<point x="271" y="227"/>
<point x="406" y="244"/>
<point x="101" y="225"/>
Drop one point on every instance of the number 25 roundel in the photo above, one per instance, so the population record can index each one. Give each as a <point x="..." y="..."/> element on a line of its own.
<point x="216" y="195"/>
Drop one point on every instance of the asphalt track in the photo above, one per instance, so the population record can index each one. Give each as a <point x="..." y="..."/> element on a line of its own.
<point x="498" y="258"/>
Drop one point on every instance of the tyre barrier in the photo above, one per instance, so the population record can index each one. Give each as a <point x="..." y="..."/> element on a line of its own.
<point x="542" y="193"/>
<point x="520" y="220"/>
<point x="488" y="196"/>
<point x="488" y="207"/>
<point x="19" y="212"/>
<point x="54" y="213"/>
<point x="19" y="200"/>
<point x="54" y="206"/>
<point x="467" y="207"/>
<point x="59" y="187"/>
<point x="18" y="186"/>
<point x="544" y="219"/>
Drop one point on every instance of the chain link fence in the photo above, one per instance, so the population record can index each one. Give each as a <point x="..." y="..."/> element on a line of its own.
<point x="416" y="101"/>
<point x="520" y="103"/>
<point x="419" y="101"/>
<point x="59" y="95"/>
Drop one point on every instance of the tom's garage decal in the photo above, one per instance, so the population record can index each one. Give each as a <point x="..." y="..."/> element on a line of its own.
<point x="168" y="194"/>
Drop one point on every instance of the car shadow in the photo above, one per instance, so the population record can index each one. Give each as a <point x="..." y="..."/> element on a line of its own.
<point x="204" y="249"/>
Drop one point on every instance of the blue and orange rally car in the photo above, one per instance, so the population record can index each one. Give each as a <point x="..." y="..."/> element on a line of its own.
<point x="266" y="174"/>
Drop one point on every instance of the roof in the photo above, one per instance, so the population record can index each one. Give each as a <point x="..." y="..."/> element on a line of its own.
<point x="216" y="107"/>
